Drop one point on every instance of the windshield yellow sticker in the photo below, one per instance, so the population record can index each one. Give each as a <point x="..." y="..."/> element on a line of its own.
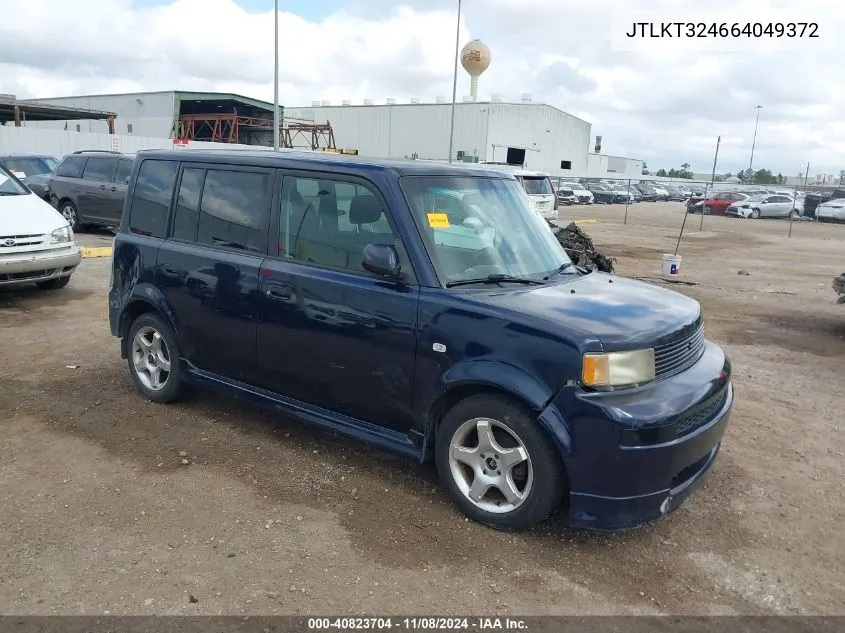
<point x="438" y="220"/>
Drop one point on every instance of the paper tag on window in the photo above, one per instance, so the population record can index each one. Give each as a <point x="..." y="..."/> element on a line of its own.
<point x="438" y="220"/>
<point x="18" y="174"/>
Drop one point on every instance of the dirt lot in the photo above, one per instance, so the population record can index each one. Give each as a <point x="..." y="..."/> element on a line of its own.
<point x="271" y="517"/>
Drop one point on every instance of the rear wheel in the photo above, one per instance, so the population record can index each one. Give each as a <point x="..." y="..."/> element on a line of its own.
<point x="707" y="210"/>
<point x="153" y="355"/>
<point x="497" y="464"/>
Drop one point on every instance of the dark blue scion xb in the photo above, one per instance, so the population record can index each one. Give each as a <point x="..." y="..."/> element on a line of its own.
<point x="425" y="309"/>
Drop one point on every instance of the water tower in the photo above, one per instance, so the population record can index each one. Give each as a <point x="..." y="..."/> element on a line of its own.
<point x="475" y="58"/>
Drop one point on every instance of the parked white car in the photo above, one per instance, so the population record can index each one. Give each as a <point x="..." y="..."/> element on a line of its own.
<point x="831" y="211"/>
<point x="36" y="242"/>
<point x="766" y="206"/>
<point x="584" y="196"/>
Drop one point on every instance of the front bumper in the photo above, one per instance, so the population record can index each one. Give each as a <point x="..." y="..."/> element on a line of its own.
<point x="627" y="462"/>
<point x="32" y="267"/>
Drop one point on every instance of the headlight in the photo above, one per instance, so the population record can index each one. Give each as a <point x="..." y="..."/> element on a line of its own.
<point x="618" y="369"/>
<point x="61" y="236"/>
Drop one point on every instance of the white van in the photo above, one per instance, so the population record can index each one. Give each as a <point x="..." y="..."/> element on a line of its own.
<point x="538" y="186"/>
<point x="36" y="242"/>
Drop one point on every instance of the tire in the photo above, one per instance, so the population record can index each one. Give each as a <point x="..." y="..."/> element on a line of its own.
<point x="707" y="210"/>
<point x="159" y="351"/>
<point x="532" y="474"/>
<point x="71" y="214"/>
<point x="755" y="214"/>
<point x="54" y="284"/>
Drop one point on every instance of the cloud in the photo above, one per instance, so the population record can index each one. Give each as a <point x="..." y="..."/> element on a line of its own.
<point x="666" y="101"/>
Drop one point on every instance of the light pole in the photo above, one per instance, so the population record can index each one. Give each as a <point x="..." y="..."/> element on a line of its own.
<point x="455" y="82"/>
<point x="276" y="77"/>
<point x="754" y="141"/>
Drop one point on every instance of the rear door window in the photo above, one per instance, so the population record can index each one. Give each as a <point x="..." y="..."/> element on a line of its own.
<point x="71" y="167"/>
<point x="100" y="169"/>
<point x="235" y="209"/>
<point x="151" y="198"/>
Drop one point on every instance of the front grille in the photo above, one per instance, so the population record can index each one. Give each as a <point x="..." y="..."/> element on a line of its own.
<point x="680" y="352"/>
<point x="15" y="241"/>
<point x="702" y="416"/>
<point x="30" y="274"/>
<point x="584" y="198"/>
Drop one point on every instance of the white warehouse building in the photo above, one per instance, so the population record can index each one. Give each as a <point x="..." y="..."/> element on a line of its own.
<point x="536" y="135"/>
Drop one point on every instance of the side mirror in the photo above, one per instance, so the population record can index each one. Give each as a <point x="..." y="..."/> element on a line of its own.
<point x="381" y="259"/>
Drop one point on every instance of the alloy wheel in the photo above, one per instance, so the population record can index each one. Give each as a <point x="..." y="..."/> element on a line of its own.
<point x="490" y="465"/>
<point x="69" y="214"/>
<point x="151" y="358"/>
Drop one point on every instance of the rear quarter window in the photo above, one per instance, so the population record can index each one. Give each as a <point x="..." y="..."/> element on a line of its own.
<point x="151" y="197"/>
<point x="71" y="167"/>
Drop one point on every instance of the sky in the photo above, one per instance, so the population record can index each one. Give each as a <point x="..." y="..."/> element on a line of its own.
<point x="664" y="100"/>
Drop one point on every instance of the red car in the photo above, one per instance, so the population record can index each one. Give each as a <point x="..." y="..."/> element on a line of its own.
<point x="719" y="203"/>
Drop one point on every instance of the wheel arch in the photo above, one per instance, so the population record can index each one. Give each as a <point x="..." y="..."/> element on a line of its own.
<point x="134" y="309"/>
<point x="459" y="391"/>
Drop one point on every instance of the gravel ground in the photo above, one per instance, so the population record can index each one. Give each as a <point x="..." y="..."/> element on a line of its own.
<point x="272" y="517"/>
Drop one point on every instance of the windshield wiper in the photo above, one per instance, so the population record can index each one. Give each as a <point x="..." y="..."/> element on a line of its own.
<point x="10" y="193"/>
<point x="560" y="270"/>
<point x="495" y="279"/>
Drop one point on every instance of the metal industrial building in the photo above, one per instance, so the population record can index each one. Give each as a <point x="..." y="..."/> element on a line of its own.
<point x="193" y="116"/>
<point x="537" y="135"/>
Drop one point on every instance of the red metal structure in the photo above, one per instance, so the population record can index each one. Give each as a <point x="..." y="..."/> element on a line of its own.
<point x="230" y="127"/>
<point x="315" y="135"/>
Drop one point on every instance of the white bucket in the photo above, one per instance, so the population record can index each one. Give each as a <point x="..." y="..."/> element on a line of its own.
<point x="672" y="265"/>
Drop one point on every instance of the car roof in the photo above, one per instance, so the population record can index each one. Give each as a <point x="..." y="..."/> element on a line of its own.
<point x="298" y="159"/>
<point x="100" y="152"/>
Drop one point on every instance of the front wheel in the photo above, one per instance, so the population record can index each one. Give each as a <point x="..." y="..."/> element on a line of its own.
<point x="153" y="356"/>
<point x="497" y="464"/>
<point x="755" y="213"/>
<point x="69" y="212"/>
<point x="707" y="210"/>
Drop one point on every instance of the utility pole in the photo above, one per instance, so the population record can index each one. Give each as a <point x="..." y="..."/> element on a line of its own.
<point x="754" y="141"/>
<point x="455" y="82"/>
<point x="276" y="126"/>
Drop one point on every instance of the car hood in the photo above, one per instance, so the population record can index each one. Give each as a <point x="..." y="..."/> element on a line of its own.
<point x="28" y="215"/>
<point x="622" y="313"/>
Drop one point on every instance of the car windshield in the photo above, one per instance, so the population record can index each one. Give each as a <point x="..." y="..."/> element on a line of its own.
<point x="477" y="227"/>
<point x="24" y="166"/>
<point x="537" y="185"/>
<point x="9" y="186"/>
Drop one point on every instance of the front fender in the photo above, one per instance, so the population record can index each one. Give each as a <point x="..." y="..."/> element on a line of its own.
<point x="500" y="376"/>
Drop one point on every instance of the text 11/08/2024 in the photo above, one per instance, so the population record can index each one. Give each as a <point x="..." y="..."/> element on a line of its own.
<point x="482" y="624"/>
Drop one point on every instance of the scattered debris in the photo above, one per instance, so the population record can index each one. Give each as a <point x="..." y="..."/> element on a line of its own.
<point x="744" y="273"/>
<point x="72" y="366"/>
<point x="185" y="462"/>
<point x="580" y="249"/>
<point x="839" y="287"/>
<point x="183" y="453"/>
<point x="191" y="599"/>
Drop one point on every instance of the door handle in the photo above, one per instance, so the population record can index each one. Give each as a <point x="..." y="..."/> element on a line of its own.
<point x="171" y="271"/>
<point x="278" y="292"/>
<point x="113" y="188"/>
<point x="103" y="187"/>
